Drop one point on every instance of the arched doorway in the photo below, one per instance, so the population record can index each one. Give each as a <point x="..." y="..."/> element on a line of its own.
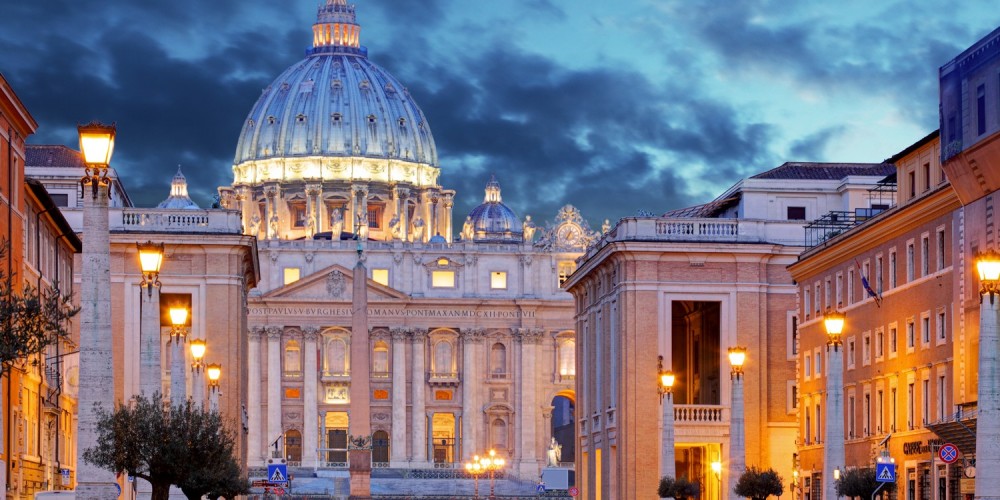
<point x="563" y="430"/>
<point x="380" y="447"/>
<point x="293" y="445"/>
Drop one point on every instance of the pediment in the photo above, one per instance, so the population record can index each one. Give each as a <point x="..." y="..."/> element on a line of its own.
<point x="332" y="283"/>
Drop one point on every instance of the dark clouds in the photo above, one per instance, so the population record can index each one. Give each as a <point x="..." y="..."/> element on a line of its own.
<point x="179" y="78"/>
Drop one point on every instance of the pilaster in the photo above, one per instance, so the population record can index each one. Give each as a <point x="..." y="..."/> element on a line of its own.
<point x="310" y="411"/>
<point x="418" y="336"/>
<point x="273" y="384"/>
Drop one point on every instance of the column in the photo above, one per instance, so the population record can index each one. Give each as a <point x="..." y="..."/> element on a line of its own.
<point x="273" y="386"/>
<point x="247" y="209"/>
<point x="471" y="339"/>
<point x="517" y="353"/>
<point x="254" y="456"/>
<point x="419" y="413"/>
<point x="668" y="462"/>
<point x="178" y="369"/>
<point x="198" y="385"/>
<point x="449" y="202"/>
<point x="988" y="433"/>
<point x="97" y="375"/>
<point x="397" y="446"/>
<point x="150" y="371"/>
<point x="833" y="449"/>
<point x="527" y="419"/>
<point x="310" y="412"/>
<point x="737" y="436"/>
<point x="403" y="195"/>
<point x="433" y="222"/>
<point x="361" y="204"/>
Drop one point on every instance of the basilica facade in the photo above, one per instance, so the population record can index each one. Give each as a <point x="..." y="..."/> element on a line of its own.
<point x="470" y="340"/>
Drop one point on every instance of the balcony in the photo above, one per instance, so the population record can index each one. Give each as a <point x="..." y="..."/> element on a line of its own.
<point x="700" y="414"/>
<point x="329" y="376"/>
<point x="380" y="375"/>
<point x="443" y="379"/>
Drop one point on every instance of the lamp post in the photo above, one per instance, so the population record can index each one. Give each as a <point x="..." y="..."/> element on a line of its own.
<point x="97" y="375"/>
<point x="737" y="422"/>
<point x="665" y="388"/>
<point x="492" y="464"/>
<point x="178" y="332"/>
<point x="214" y="372"/>
<point x="474" y="469"/>
<point x="197" y="347"/>
<point x="150" y="372"/>
<point x="988" y="432"/>
<point x="833" y="448"/>
<point x="717" y="469"/>
<point x="795" y="484"/>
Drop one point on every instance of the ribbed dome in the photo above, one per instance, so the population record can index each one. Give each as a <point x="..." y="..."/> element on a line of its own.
<point x="178" y="198"/>
<point x="493" y="221"/>
<point x="336" y="103"/>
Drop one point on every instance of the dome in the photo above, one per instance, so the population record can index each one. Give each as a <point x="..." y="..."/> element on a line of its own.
<point x="178" y="198"/>
<point x="336" y="104"/>
<point x="493" y="221"/>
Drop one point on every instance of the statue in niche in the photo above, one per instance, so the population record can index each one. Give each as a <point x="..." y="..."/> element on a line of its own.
<point x="273" y="228"/>
<point x="254" y="228"/>
<point x="394" y="228"/>
<point x="554" y="455"/>
<point x="418" y="229"/>
<point x="336" y="224"/>
<point x="467" y="230"/>
<point x="528" y="228"/>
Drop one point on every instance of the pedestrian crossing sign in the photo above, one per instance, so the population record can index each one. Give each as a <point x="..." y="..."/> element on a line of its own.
<point x="885" y="472"/>
<point x="277" y="473"/>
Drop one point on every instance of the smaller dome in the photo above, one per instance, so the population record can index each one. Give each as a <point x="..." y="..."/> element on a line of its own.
<point x="178" y="199"/>
<point x="494" y="222"/>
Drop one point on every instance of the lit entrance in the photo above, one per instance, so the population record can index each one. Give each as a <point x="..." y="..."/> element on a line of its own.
<point x="695" y="337"/>
<point x="695" y="463"/>
<point x="335" y="431"/>
<point x="563" y="430"/>
<point x="443" y="435"/>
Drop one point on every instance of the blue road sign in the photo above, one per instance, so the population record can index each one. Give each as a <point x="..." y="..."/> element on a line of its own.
<point x="277" y="473"/>
<point x="885" y="473"/>
<point x="540" y="489"/>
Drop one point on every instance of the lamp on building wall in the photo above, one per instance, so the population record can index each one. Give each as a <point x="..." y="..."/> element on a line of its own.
<point x="214" y="372"/>
<point x="988" y="432"/>
<point x="665" y="386"/>
<point x="833" y="449"/>
<point x="97" y="374"/>
<point x="178" y="332"/>
<point x="737" y="421"/>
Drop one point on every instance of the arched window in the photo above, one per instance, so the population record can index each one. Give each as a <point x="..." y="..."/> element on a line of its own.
<point x="498" y="434"/>
<point x="380" y="358"/>
<point x="498" y="361"/>
<point x="293" y="358"/>
<point x="567" y="359"/>
<point x="335" y="360"/>
<point x="443" y="357"/>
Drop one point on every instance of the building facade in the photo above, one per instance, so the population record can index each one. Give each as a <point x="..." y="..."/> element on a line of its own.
<point x="687" y="286"/>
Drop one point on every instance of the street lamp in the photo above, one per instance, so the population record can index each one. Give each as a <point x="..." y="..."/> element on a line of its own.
<point x="214" y="372"/>
<point x="97" y="374"/>
<point x="665" y="388"/>
<point x="178" y="321"/>
<point x="475" y="469"/>
<point x="491" y="464"/>
<point x="795" y="483"/>
<point x="988" y="432"/>
<point x="150" y="372"/>
<point x="737" y="421"/>
<point x="198" y="348"/>
<point x="833" y="450"/>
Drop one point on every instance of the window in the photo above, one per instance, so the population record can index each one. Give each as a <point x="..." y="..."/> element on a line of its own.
<point x="892" y="341"/>
<point x="941" y="397"/>
<point x="381" y="276"/>
<point x="892" y="269"/>
<point x="498" y="280"/>
<point x="866" y="349"/>
<point x="375" y="216"/>
<point x="808" y="366"/>
<point x="940" y="249"/>
<point x="850" y="285"/>
<point x="927" y="176"/>
<point x="878" y="275"/>
<point x="819" y="363"/>
<point x="380" y="358"/>
<point x="925" y="326"/>
<point x="892" y="407"/>
<point x="796" y="213"/>
<point x="925" y="255"/>
<point x="299" y="215"/>
<point x="443" y="279"/>
<point x="795" y="335"/>
<point x="909" y="261"/>
<point x="981" y="109"/>
<point x="879" y="342"/>
<point x="911" y="337"/>
<point x="60" y="199"/>
<point x="850" y="353"/>
<point x="566" y="268"/>
<point x="808" y="432"/>
<point x="826" y="294"/>
<point x="794" y="397"/>
<point x="868" y="413"/>
<point x="498" y="361"/>
<point x="806" y="301"/>
<point x="910" y="406"/>
<point x="839" y="290"/>
<point x="942" y="327"/>
<point x="925" y="398"/>
<point x="291" y="275"/>
<point x="443" y="362"/>
<point x="912" y="177"/>
<point x="816" y="299"/>
<point x="819" y="424"/>
<point x="567" y="359"/>
<point x="850" y="417"/>
<point x="293" y="358"/>
<point x="880" y="409"/>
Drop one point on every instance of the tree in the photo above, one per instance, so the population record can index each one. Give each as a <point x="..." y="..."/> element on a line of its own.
<point x="180" y="445"/>
<point x="759" y="484"/>
<point x="860" y="482"/>
<point x="679" y="488"/>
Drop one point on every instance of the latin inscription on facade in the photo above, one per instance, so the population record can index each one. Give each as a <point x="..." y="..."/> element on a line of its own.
<point x="377" y="312"/>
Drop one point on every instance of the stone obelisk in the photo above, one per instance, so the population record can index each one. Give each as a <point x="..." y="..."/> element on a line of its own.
<point x="360" y="453"/>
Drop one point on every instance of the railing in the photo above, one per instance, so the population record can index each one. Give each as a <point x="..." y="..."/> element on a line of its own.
<point x="701" y="229"/>
<point x="380" y="375"/>
<point x="335" y="375"/>
<point x="380" y="465"/>
<point x="500" y="376"/>
<point x="333" y="465"/>
<point x="159" y="220"/>
<point x="700" y="414"/>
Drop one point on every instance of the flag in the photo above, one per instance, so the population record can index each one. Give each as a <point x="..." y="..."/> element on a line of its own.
<point x="867" y="286"/>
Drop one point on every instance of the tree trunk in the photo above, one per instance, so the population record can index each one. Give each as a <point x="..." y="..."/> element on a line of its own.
<point x="161" y="491"/>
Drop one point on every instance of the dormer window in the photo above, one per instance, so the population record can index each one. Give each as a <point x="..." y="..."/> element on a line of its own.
<point x="402" y="122"/>
<point x="300" y="118"/>
<point x="271" y="120"/>
<point x="371" y="119"/>
<point x="336" y="117"/>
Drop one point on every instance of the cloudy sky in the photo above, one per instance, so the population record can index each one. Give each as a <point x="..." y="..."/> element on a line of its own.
<point x="613" y="107"/>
